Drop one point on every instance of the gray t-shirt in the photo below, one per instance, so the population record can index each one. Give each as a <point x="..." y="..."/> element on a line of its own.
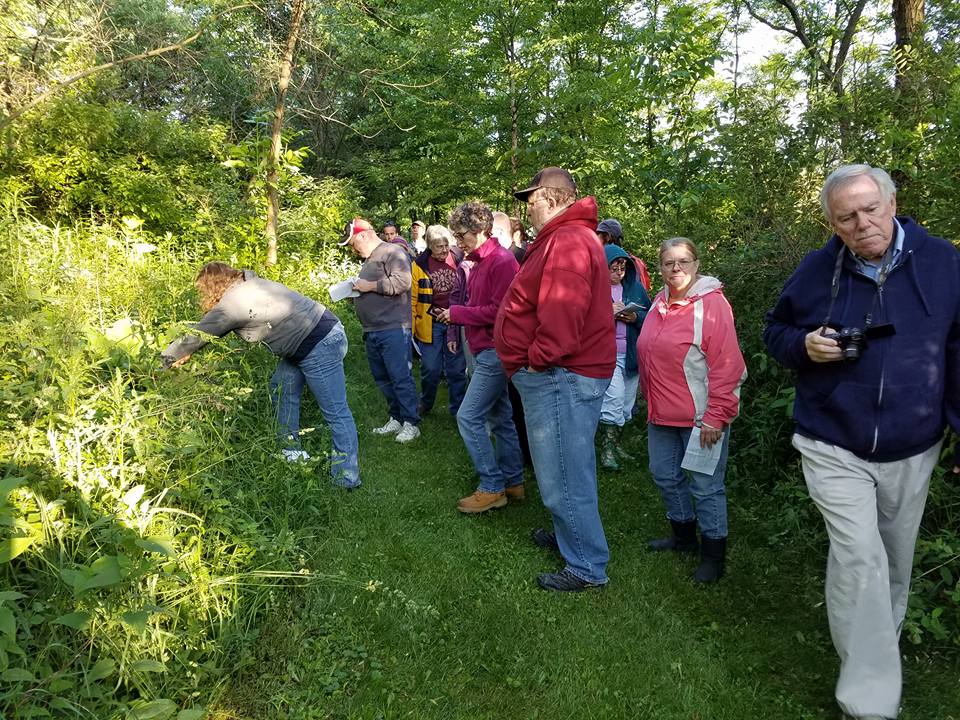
<point x="257" y="310"/>
<point x="389" y="307"/>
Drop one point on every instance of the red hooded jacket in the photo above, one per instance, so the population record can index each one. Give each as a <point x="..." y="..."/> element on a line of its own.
<point x="556" y="312"/>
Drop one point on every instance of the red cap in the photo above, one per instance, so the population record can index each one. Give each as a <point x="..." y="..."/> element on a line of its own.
<point x="354" y="227"/>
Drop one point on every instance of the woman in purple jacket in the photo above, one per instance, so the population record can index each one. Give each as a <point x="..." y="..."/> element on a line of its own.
<point x="487" y="402"/>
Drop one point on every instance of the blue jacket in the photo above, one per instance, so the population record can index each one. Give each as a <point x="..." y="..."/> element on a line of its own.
<point x="896" y="400"/>
<point x="632" y="292"/>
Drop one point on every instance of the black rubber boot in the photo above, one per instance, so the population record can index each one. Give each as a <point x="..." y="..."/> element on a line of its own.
<point x="684" y="538"/>
<point x="713" y="555"/>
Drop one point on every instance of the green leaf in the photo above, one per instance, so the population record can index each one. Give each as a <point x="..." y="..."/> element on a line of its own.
<point x="148" y="666"/>
<point x="75" y="620"/>
<point x="17" y="675"/>
<point x="106" y="571"/>
<point x="7" y="485"/>
<point x="162" y="545"/>
<point x="153" y="710"/>
<point x="9" y="549"/>
<point x="8" y="595"/>
<point x="102" y="669"/>
<point x="191" y="714"/>
<point x="8" y="623"/>
<point x="137" y="620"/>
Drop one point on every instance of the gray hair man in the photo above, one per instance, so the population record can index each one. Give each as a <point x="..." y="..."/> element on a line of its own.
<point x="871" y="324"/>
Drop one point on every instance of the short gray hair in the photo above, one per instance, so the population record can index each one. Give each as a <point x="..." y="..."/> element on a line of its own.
<point x="845" y="174"/>
<point x="673" y="242"/>
<point x="437" y="232"/>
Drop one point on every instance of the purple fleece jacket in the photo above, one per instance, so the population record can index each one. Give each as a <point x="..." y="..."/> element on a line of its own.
<point x="494" y="268"/>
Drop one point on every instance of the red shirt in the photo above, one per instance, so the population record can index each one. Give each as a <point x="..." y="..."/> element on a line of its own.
<point x="557" y="310"/>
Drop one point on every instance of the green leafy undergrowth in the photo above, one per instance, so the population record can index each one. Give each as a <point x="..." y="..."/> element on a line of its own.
<point x="146" y="520"/>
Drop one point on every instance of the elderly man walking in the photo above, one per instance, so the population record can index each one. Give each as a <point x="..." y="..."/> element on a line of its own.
<point x="871" y="324"/>
<point x="383" y="309"/>
<point x="555" y="336"/>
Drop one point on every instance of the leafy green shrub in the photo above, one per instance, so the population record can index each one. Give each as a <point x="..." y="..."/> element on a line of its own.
<point x="144" y="516"/>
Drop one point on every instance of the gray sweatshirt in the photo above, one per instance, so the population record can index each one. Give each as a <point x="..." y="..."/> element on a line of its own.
<point x="389" y="306"/>
<point x="257" y="310"/>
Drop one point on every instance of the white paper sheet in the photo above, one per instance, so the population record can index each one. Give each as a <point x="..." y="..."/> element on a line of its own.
<point x="701" y="459"/>
<point x="343" y="290"/>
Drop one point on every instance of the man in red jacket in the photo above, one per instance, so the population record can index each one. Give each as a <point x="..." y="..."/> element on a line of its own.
<point x="555" y="337"/>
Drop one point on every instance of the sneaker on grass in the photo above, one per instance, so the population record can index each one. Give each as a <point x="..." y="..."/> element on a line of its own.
<point x="481" y="501"/>
<point x="408" y="432"/>
<point x="547" y="539"/>
<point x="565" y="581"/>
<point x="292" y="455"/>
<point x="392" y="427"/>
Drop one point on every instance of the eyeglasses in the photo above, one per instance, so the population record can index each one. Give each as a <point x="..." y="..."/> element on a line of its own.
<point x="671" y="264"/>
<point x="619" y="265"/>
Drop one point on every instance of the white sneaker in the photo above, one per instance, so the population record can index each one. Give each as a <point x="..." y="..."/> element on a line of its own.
<point x="408" y="433"/>
<point x="391" y="428"/>
<point x="291" y="455"/>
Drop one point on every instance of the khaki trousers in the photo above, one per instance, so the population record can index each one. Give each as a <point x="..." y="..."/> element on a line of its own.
<point x="872" y="513"/>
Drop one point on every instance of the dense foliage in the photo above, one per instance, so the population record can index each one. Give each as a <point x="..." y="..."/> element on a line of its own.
<point x="136" y="550"/>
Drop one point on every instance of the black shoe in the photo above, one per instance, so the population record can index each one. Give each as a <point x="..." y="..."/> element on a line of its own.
<point x="565" y="581"/>
<point x="683" y="539"/>
<point x="546" y="539"/>
<point x="713" y="555"/>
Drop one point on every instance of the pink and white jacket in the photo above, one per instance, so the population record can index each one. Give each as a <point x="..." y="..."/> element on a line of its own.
<point x="691" y="366"/>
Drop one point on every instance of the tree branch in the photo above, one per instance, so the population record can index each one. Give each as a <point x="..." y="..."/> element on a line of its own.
<point x="70" y="80"/>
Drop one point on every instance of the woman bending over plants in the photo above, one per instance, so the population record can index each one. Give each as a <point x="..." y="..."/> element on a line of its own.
<point x="306" y="336"/>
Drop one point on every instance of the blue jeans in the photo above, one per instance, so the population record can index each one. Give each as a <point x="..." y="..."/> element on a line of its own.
<point x="688" y="496"/>
<point x="389" y="353"/>
<point x="487" y="403"/>
<point x="322" y="371"/>
<point x="436" y="359"/>
<point x="562" y="411"/>
<point x="621" y="396"/>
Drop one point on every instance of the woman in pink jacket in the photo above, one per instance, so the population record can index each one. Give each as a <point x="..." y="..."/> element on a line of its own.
<point x="691" y="370"/>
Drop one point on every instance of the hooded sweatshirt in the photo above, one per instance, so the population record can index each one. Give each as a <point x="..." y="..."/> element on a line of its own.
<point x="895" y="401"/>
<point x="691" y="367"/>
<point x="557" y="310"/>
<point x="633" y="292"/>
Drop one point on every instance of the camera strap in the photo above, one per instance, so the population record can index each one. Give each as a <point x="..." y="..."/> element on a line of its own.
<point x="885" y="267"/>
<point x="834" y="288"/>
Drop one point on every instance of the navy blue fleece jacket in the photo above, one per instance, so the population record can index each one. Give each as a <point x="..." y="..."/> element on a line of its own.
<point x="896" y="400"/>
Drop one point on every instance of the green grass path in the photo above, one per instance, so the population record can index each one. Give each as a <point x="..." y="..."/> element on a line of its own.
<point x="426" y="613"/>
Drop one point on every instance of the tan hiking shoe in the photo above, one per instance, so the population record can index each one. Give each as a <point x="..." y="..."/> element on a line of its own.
<point x="481" y="501"/>
<point x="515" y="492"/>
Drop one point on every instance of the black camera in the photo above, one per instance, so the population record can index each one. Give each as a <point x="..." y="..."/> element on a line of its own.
<point x="853" y="341"/>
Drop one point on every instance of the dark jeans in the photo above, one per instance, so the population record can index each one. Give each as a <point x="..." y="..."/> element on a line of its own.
<point x="437" y="360"/>
<point x="389" y="355"/>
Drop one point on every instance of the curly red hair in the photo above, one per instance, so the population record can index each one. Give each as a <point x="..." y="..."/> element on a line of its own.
<point x="213" y="280"/>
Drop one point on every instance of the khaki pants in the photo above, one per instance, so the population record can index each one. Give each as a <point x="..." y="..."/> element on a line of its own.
<point x="872" y="513"/>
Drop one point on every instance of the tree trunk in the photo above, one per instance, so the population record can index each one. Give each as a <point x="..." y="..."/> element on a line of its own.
<point x="273" y="161"/>
<point x="908" y="16"/>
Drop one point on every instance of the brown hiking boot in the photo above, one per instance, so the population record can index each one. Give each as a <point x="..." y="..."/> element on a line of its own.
<point x="515" y="492"/>
<point x="481" y="501"/>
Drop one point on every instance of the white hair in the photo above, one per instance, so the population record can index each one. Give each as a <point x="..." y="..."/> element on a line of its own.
<point x="437" y="232"/>
<point x="846" y="174"/>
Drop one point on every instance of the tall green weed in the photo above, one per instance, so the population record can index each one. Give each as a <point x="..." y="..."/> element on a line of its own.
<point x="144" y="516"/>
